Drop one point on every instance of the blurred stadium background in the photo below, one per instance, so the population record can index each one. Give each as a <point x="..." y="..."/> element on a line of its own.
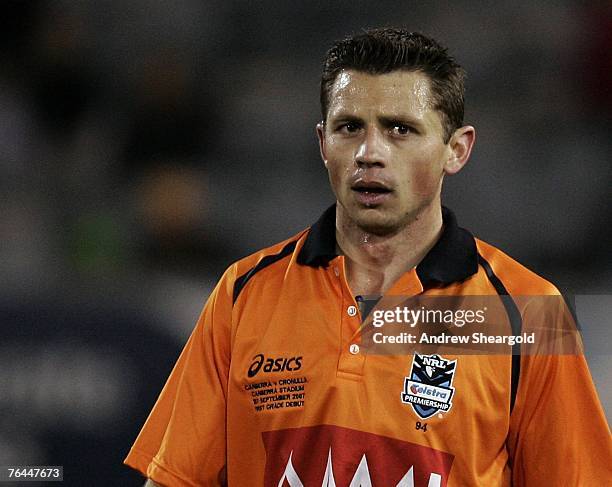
<point x="145" y="145"/>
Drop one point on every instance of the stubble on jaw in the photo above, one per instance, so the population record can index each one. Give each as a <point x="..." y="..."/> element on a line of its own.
<point x="380" y="226"/>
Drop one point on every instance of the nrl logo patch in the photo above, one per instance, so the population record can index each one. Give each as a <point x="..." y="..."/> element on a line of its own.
<point x="429" y="388"/>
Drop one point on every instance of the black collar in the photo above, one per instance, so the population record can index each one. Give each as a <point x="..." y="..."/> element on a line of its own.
<point x="453" y="258"/>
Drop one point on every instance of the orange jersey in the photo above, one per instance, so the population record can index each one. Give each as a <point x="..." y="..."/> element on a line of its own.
<point x="276" y="388"/>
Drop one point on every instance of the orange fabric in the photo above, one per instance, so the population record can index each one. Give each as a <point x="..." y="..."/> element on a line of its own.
<point x="343" y="414"/>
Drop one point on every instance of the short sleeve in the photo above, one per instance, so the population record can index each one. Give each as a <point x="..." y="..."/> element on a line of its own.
<point x="183" y="441"/>
<point x="558" y="431"/>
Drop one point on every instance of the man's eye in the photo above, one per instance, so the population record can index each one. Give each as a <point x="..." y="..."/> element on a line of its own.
<point x="401" y="129"/>
<point x="349" y="127"/>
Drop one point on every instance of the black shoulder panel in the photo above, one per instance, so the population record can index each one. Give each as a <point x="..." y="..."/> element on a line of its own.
<point x="516" y="322"/>
<point x="263" y="263"/>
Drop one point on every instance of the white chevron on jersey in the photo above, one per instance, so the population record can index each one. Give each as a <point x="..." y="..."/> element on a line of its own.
<point x="328" y="478"/>
<point x="408" y="480"/>
<point x="290" y="475"/>
<point x="361" y="478"/>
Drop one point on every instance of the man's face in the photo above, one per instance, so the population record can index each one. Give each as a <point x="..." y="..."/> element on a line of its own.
<point x="383" y="147"/>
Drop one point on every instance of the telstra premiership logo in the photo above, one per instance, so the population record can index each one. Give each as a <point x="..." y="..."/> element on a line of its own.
<point x="429" y="387"/>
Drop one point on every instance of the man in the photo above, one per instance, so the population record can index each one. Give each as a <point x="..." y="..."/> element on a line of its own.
<point x="277" y="385"/>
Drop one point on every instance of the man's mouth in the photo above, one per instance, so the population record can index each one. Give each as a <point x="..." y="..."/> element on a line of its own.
<point x="371" y="187"/>
<point x="371" y="193"/>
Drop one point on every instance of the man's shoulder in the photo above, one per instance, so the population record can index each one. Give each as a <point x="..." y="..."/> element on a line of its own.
<point x="518" y="279"/>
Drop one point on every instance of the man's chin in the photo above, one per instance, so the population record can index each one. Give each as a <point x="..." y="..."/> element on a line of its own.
<point x="379" y="225"/>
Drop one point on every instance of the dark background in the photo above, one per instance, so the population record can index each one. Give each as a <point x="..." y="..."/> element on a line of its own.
<point x="146" y="145"/>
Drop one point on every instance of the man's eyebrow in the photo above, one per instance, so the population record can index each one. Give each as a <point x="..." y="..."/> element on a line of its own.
<point x="400" y="118"/>
<point x="345" y="117"/>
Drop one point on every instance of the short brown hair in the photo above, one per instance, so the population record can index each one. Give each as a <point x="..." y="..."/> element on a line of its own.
<point x="380" y="51"/>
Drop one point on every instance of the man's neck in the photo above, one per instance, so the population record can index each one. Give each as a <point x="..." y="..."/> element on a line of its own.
<point x="373" y="262"/>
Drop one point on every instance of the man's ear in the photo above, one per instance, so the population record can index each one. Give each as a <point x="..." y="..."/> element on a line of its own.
<point x="460" y="144"/>
<point x="321" y="137"/>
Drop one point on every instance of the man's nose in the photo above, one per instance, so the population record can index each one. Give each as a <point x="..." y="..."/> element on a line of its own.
<point x="371" y="151"/>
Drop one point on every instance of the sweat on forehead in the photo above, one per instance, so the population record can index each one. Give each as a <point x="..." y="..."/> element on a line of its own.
<point x="393" y="92"/>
